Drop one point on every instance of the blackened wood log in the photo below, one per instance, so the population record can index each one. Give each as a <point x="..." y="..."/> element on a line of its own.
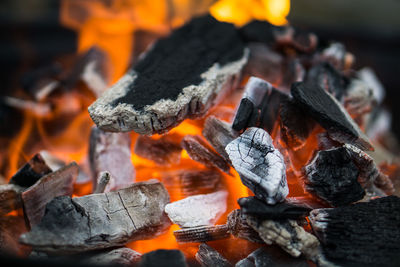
<point x="10" y="198"/>
<point x="207" y="256"/>
<point x="101" y="220"/>
<point x="32" y="171"/>
<point x="283" y="210"/>
<point x="261" y="167"/>
<point x="162" y="151"/>
<point x="362" y="234"/>
<point x="328" y="112"/>
<point x="58" y="183"/>
<point x="111" y="152"/>
<point x="200" y="151"/>
<point x="115" y="257"/>
<point x="163" y="258"/>
<point x="202" y="234"/>
<point x="333" y="177"/>
<point x="219" y="134"/>
<point x="179" y="77"/>
<point x="238" y="227"/>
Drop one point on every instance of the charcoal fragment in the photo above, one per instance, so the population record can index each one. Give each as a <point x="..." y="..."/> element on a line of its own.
<point x="201" y="234"/>
<point x="301" y="41"/>
<point x="337" y="55"/>
<point x="10" y="198"/>
<point x="238" y="227"/>
<point x="11" y="227"/>
<point x="115" y="257"/>
<point x="269" y="109"/>
<point x="258" y="31"/>
<point x="103" y="181"/>
<point x="162" y="151"/>
<point x="243" y="114"/>
<point x="207" y="256"/>
<point x="163" y="258"/>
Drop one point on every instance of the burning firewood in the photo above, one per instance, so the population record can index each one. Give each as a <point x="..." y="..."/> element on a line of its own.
<point x="207" y="256"/>
<point x="261" y="167"/>
<point x="111" y="152"/>
<point x="162" y="151"/>
<point x="58" y="183"/>
<point x="360" y="234"/>
<point x="198" y="210"/>
<point x="238" y="227"/>
<point x="201" y="234"/>
<point x="101" y="220"/>
<point x="163" y="88"/>
<point x="163" y="258"/>
<point x="200" y="151"/>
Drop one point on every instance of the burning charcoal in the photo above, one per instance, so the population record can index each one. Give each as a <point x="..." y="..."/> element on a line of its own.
<point x="31" y="172"/>
<point x="369" y="77"/>
<point x="333" y="177"/>
<point x="284" y="210"/>
<point x="207" y="256"/>
<point x="115" y="257"/>
<point x="243" y="115"/>
<point x="238" y="227"/>
<point x="270" y="109"/>
<point x="201" y="234"/>
<point x="163" y="258"/>
<point x="261" y="167"/>
<point x="337" y="55"/>
<point x="111" y="152"/>
<point x="11" y="227"/>
<point x="205" y="59"/>
<point x="301" y="41"/>
<point x="103" y="181"/>
<point x="52" y="161"/>
<point x="271" y="256"/>
<point x="10" y="198"/>
<point x="296" y="125"/>
<point x="199" y="210"/>
<point x="359" y="98"/>
<point x="94" y="72"/>
<point x="219" y="134"/>
<point x="327" y="111"/>
<point x="163" y="151"/>
<point x="101" y="220"/>
<point x="293" y="72"/>
<point x="58" y="183"/>
<point x="199" y="150"/>
<point x="258" y="31"/>
<point x="288" y="235"/>
<point x="362" y="234"/>
<point x="39" y="109"/>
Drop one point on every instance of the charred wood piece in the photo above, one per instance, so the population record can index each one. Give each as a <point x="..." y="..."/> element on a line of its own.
<point x="162" y="151"/>
<point x="115" y="257"/>
<point x="207" y="256"/>
<point x="359" y="99"/>
<point x="337" y="55"/>
<point x="328" y="112"/>
<point x="258" y="31"/>
<point x="111" y="152"/>
<point x="368" y="76"/>
<point x="199" y="210"/>
<point x="163" y="88"/>
<point x="202" y="234"/>
<point x="11" y="227"/>
<point x="10" y="198"/>
<point x="200" y="151"/>
<point x="36" y="197"/>
<point x="269" y="110"/>
<point x="360" y="234"/>
<point x="219" y="134"/>
<point x="52" y="161"/>
<point x="333" y="177"/>
<point x="261" y="167"/>
<point x="288" y="37"/>
<point x="238" y="227"/>
<point x="103" y="181"/>
<point x="283" y="210"/>
<point x="101" y="220"/>
<point x="293" y="71"/>
<point x="163" y="258"/>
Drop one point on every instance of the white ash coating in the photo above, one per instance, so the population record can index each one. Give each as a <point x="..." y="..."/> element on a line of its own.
<point x="198" y="210"/>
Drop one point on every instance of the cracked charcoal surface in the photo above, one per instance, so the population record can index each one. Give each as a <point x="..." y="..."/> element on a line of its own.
<point x="178" y="60"/>
<point x="101" y="220"/>
<point x="163" y="258"/>
<point x="261" y="167"/>
<point x="333" y="177"/>
<point x="362" y="234"/>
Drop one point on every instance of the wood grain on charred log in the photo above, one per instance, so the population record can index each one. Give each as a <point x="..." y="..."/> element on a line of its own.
<point x="207" y="256"/>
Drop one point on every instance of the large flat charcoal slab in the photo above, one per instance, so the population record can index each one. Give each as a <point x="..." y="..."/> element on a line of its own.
<point x="328" y="112"/>
<point x="100" y="221"/>
<point x="198" y="210"/>
<point x="208" y="256"/>
<point x="362" y="234"/>
<point x="115" y="257"/>
<point x="10" y="198"/>
<point x="238" y="227"/>
<point x="283" y="210"/>
<point x="111" y="152"/>
<point x="179" y="77"/>
<point x="163" y="258"/>
<point x="36" y="197"/>
<point x="200" y="151"/>
<point x="162" y="151"/>
<point x="333" y="177"/>
<point x="261" y="167"/>
<point x="32" y="171"/>
<point x="202" y="234"/>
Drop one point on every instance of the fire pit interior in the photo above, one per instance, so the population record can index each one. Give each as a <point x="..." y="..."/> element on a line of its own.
<point x="198" y="133"/>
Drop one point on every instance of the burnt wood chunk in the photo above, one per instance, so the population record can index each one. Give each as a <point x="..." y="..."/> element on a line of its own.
<point x="207" y="256"/>
<point x="11" y="227"/>
<point x="261" y="167"/>
<point x="362" y="234"/>
<point x="179" y="77"/>
<point x="103" y="181"/>
<point x="100" y="221"/>
<point x="238" y="227"/>
<point x="36" y="197"/>
<point x="243" y="114"/>
<point x="259" y="31"/>
<point x="162" y="151"/>
<point x="163" y="258"/>
<point x="293" y="71"/>
<point x="333" y="177"/>
<point x="10" y="198"/>
<point x="200" y="151"/>
<point x="270" y="106"/>
<point x="111" y="152"/>
<point x="328" y="112"/>
<point x="219" y="134"/>
<point x="32" y="171"/>
<point x="115" y="257"/>
<point x="283" y="210"/>
<point x="202" y="234"/>
<point x="301" y="41"/>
